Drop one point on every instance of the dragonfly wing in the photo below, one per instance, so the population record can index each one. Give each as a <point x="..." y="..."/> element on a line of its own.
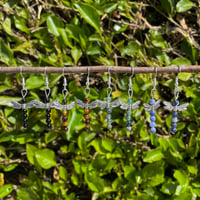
<point x="135" y="105"/>
<point x="38" y="104"/>
<point x="55" y="104"/>
<point x="102" y="104"/>
<point x="168" y="105"/>
<point x="157" y="104"/>
<point x="80" y="103"/>
<point x="93" y="104"/>
<point x="123" y="106"/>
<point x="16" y="105"/>
<point x="70" y="106"/>
<point x="147" y="107"/>
<point x="115" y="103"/>
<point x="30" y="104"/>
<point x="182" y="107"/>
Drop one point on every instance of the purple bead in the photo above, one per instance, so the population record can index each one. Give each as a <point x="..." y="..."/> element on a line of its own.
<point x="174" y="119"/>
<point x="175" y="103"/>
<point x="153" y="118"/>
<point x="173" y="130"/>
<point x="152" y="101"/>
<point x="152" y="113"/>
<point x="153" y="130"/>
<point x="174" y="124"/>
<point x="174" y="113"/>
<point x="152" y="124"/>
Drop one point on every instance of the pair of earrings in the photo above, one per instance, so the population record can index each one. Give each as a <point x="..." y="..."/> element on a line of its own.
<point x="174" y="107"/>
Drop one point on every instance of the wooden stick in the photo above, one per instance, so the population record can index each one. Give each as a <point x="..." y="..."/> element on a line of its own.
<point x="101" y="69"/>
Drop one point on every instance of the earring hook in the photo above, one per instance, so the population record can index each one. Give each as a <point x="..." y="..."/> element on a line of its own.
<point x="109" y="89"/>
<point x="47" y="90"/>
<point x="87" y="89"/>
<point x="130" y="89"/>
<point x="64" y="91"/>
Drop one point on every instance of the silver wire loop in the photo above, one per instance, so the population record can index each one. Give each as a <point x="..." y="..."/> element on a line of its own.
<point x="65" y="90"/>
<point x="130" y="89"/>
<point x="176" y="89"/>
<point x="153" y="91"/>
<point x="87" y="89"/>
<point x="109" y="88"/>
<point x="23" y="90"/>
<point x="47" y="90"/>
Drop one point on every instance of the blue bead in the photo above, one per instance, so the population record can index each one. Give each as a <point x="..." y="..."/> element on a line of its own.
<point x="174" y="124"/>
<point x="109" y="121"/>
<point x="128" y="117"/>
<point x="174" y="119"/>
<point x="130" y="101"/>
<point x="152" y="113"/>
<point x="175" y="103"/>
<point x="129" y="112"/>
<point x="108" y="116"/>
<point x="109" y="126"/>
<point x="108" y="99"/>
<point x="173" y="130"/>
<point x="128" y="128"/>
<point x="152" y="124"/>
<point x="153" y="118"/>
<point x="174" y="113"/>
<point x="152" y="101"/>
<point x="109" y="110"/>
<point x="153" y="130"/>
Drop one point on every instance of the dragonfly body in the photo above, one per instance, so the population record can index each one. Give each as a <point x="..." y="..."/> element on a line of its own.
<point x="175" y="107"/>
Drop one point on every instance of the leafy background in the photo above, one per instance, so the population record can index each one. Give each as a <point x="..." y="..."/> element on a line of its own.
<point x="99" y="164"/>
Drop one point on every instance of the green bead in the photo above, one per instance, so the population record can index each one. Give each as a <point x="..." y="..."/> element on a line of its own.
<point x="129" y="112"/>
<point x="130" y="101"/>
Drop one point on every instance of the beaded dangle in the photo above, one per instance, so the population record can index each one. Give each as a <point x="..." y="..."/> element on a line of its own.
<point x="108" y="104"/>
<point x="174" y="107"/>
<point x="87" y="103"/>
<point x="23" y="106"/>
<point x="64" y="106"/>
<point x="46" y="105"/>
<point x="153" y="105"/>
<point x="129" y="106"/>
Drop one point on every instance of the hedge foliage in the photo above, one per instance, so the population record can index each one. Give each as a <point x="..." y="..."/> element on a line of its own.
<point x="99" y="164"/>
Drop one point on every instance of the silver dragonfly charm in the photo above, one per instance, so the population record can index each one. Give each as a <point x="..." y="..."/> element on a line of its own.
<point x="39" y="104"/>
<point x="17" y="105"/>
<point x="125" y="106"/>
<point x="59" y="106"/>
<point x="152" y="107"/>
<point x="170" y="107"/>
<point x="81" y="104"/>
<point x="113" y="104"/>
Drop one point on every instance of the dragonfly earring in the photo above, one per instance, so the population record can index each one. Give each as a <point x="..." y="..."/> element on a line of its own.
<point x="46" y="105"/>
<point x="175" y="107"/>
<point x="64" y="106"/>
<point x="23" y="106"/>
<point x="130" y="106"/>
<point x="108" y="104"/>
<point x="153" y="105"/>
<point x="87" y="105"/>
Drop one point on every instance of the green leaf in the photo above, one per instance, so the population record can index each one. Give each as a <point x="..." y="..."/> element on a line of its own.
<point x="90" y="15"/>
<point x="167" y="6"/>
<point x="184" y="5"/>
<point x="50" y="136"/>
<point x="131" y="49"/>
<point x="182" y="178"/>
<point x="74" y="119"/>
<point x="108" y="144"/>
<point x="63" y="173"/>
<point x="34" y="82"/>
<point x="76" y="54"/>
<point x="153" y="155"/>
<point x="45" y="158"/>
<point x="5" y="190"/>
<point x="26" y="193"/>
<point x="6" y="54"/>
<point x="20" y="24"/>
<point x="129" y="173"/>
<point x="54" y="24"/>
<point x="30" y="150"/>
<point x="6" y="100"/>
<point x="181" y="61"/>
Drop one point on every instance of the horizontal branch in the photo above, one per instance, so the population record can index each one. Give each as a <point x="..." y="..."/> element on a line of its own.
<point x="101" y="69"/>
